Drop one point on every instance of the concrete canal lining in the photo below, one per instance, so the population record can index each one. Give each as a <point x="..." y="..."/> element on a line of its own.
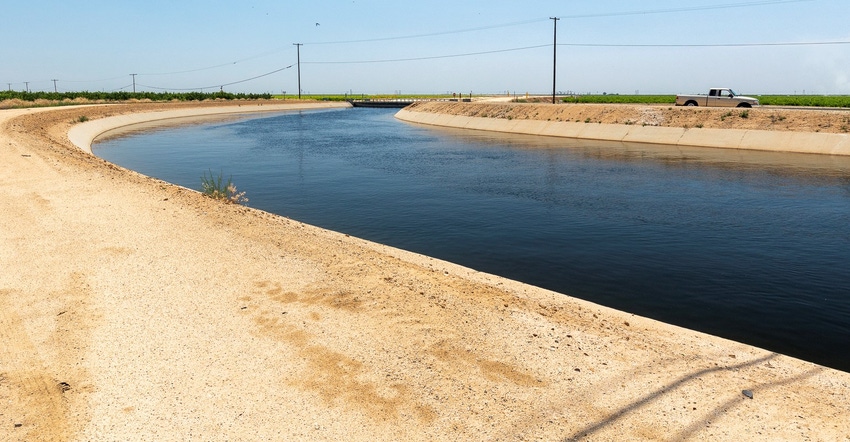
<point x="749" y="139"/>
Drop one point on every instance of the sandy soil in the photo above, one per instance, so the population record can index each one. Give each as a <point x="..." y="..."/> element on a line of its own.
<point x="132" y="309"/>
<point x="764" y="118"/>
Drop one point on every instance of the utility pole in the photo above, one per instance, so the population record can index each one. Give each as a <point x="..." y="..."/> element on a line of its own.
<point x="298" y="46"/>
<point x="54" y="85"/>
<point x="27" y="83"/>
<point x="134" y="82"/>
<point x="554" y="55"/>
<point x="10" y="87"/>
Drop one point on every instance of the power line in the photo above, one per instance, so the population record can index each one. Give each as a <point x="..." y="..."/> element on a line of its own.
<point x="230" y="63"/>
<point x="567" y="16"/>
<point x="686" y="9"/>
<point x="468" y="54"/>
<point x="218" y="85"/>
<point x="498" y="26"/>
<point x="516" y="23"/>
<point x="746" y="4"/>
<point x="711" y="45"/>
<point x="93" y="81"/>
<point x="430" y="34"/>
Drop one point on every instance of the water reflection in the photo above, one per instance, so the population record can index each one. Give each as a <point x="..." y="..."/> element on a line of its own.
<point x="786" y="165"/>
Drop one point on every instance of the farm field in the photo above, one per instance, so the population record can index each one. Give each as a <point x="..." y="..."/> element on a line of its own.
<point x="765" y="100"/>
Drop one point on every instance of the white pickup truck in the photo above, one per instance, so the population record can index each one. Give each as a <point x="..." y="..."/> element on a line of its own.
<point x="717" y="97"/>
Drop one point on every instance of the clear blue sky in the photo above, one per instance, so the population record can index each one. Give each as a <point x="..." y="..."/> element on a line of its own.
<point x="435" y="46"/>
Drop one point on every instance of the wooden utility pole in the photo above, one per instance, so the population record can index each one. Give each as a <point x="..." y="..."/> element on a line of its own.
<point x="554" y="56"/>
<point x="27" y="84"/>
<point x="298" y="46"/>
<point x="54" y="85"/>
<point x="134" y="82"/>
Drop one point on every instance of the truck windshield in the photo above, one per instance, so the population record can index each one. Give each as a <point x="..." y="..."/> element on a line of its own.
<point x="732" y="93"/>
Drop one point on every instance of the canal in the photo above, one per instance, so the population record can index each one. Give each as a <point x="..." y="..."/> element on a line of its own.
<point x="750" y="246"/>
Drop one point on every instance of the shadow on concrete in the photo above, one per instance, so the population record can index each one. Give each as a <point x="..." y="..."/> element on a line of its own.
<point x="723" y="408"/>
<point x="591" y="429"/>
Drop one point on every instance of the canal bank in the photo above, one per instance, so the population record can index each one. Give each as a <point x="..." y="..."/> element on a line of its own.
<point x="82" y="135"/>
<point x="777" y="130"/>
<point x="134" y="308"/>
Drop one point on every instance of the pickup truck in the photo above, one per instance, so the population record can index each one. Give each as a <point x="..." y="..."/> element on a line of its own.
<point x="717" y="97"/>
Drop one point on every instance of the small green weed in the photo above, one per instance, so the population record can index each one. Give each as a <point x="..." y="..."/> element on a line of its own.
<point x="216" y="188"/>
<point x="745" y="114"/>
<point x="82" y="119"/>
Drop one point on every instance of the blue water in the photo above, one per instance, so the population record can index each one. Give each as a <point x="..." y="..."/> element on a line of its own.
<point x="745" y="245"/>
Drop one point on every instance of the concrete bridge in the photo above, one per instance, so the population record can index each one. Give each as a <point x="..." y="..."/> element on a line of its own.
<point x="398" y="102"/>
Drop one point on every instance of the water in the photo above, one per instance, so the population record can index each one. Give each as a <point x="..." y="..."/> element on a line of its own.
<point x="745" y="245"/>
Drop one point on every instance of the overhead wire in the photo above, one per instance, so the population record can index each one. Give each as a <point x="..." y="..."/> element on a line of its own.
<point x="217" y="85"/>
<point x="684" y="9"/>
<point x="497" y="26"/>
<point x="230" y="63"/>
<point x="94" y="81"/>
<point x="708" y="45"/>
<point x="468" y="54"/>
<point x="569" y="16"/>
<point x="430" y="34"/>
<point x="580" y="45"/>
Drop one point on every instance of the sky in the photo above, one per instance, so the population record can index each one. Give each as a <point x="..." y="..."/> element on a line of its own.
<point x="420" y="47"/>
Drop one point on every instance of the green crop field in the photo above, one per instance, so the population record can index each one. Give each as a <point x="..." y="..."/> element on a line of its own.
<point x="766" y="100"/>
<point x="805" y="100"/>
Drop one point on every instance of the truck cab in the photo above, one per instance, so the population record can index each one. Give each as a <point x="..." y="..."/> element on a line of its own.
<point x="719" y="97"/>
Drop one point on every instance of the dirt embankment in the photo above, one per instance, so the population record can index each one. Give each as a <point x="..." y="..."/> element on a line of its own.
<point x="796" y="120"/>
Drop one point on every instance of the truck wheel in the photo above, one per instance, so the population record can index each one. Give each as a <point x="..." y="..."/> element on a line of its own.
<point x="691" y="103"/>
<point x="744" y="105"/>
